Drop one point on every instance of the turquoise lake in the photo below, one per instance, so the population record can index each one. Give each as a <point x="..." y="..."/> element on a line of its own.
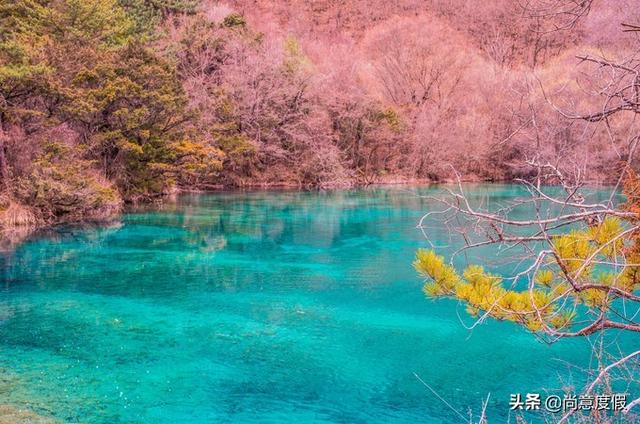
<point x="257" y="307"/>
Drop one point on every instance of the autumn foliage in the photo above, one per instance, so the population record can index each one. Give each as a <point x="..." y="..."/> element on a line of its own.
<point x="129" y="100"/>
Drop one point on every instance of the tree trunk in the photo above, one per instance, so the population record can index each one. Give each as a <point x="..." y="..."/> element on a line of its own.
<point x="4" y="168"/>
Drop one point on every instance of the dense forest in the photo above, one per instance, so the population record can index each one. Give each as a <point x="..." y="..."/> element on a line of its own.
<point x="104" y="101"/>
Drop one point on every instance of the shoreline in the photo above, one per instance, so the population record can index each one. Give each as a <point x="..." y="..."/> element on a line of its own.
<point x="8" y="233"/>
<point x="11" y="235"/>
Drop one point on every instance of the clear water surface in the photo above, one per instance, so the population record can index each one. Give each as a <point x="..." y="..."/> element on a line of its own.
<point x="255" y="307"/>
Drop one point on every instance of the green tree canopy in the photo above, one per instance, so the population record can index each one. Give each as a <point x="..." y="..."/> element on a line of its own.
<point x="80" y="64"/>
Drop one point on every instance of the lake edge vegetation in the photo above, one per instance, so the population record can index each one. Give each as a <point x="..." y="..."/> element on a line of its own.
<point x="104" y="102"/>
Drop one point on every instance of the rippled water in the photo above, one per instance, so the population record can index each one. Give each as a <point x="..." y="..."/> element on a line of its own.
<point x="255" y="307"/>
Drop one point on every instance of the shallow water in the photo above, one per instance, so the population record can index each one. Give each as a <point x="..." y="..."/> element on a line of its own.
<point x="255" y="307"/>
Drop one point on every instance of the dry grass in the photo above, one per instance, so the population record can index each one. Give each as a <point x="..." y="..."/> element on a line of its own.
<point x="17" y="215"/>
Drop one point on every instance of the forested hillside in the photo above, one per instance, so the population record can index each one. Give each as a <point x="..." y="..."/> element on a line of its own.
<point x="106" y="101"/>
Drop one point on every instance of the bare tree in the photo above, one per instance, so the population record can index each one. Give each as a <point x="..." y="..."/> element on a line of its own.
<point x="576" y="262"/>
